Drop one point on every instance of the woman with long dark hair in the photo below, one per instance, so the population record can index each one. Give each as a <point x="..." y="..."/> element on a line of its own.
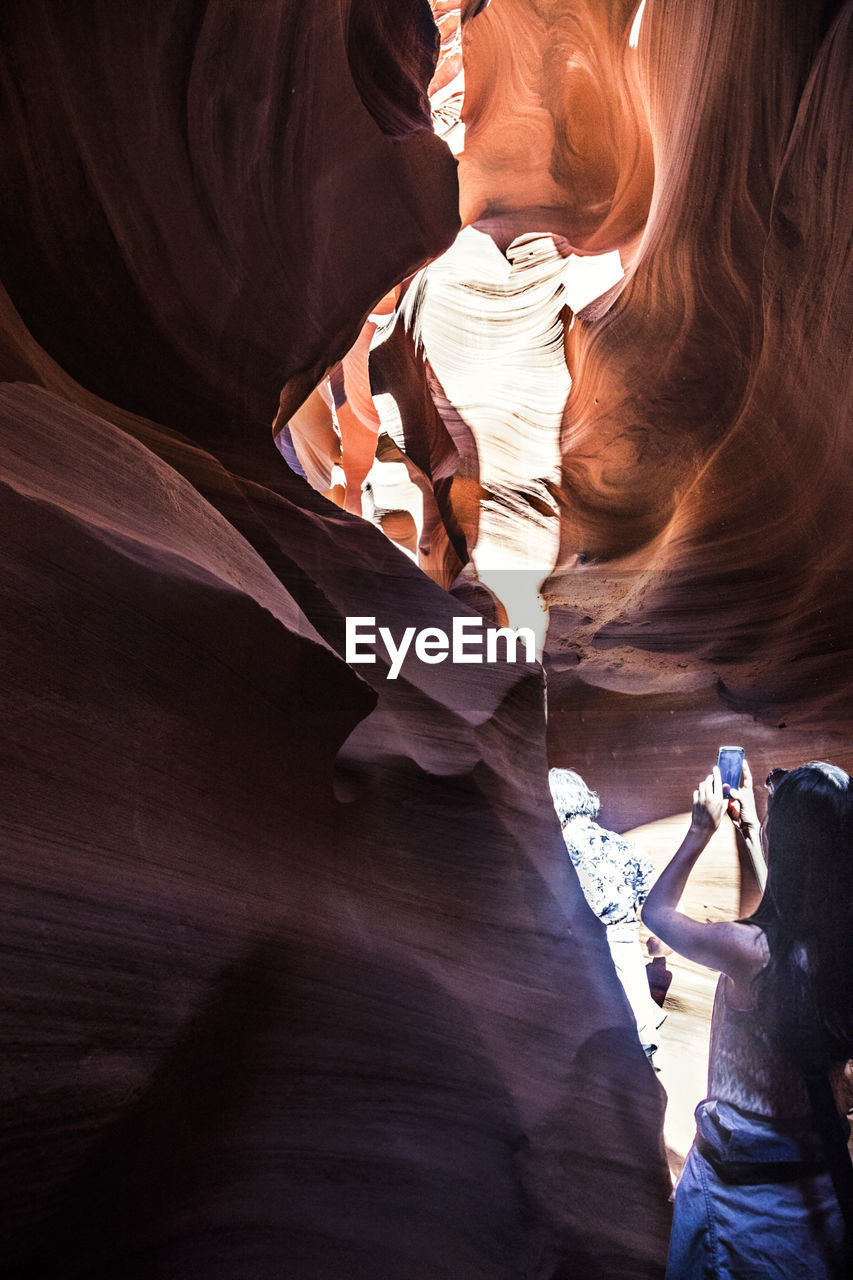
<point x="763" y="1189"/>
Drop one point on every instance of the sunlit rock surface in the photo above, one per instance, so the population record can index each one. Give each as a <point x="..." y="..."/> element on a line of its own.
<point x="555" y="134"/>
<point x="703" y="541"/>
<point x="483" y="336"/>
<point x="707" y="439"/>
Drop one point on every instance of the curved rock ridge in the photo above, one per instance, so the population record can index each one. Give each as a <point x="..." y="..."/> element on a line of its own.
<point x="297" y="973"/>
<point x="392" y="52"/>
<point x="305" y="995"/>
<point x="160" y="234"/>
<point x="555" y="134"/>
<point x="706" y="438"/>
<point x="446" y="89"/>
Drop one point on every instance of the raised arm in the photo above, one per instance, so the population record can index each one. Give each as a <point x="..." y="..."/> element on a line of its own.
<point x="739" y="950"/>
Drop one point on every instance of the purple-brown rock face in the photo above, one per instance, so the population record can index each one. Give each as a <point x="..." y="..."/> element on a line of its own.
<point x="297" y="977"/>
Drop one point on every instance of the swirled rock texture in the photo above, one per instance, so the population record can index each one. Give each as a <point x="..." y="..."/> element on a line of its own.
<point x="704" y="575"/>
<point x="556" y="139"/>
<point x="695" y="543"/>
<point x="297" y="976"/>
<point x="160" y="167"/>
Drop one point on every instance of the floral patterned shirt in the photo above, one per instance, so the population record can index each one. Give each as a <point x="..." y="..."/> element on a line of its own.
<point x="614" y="874"/>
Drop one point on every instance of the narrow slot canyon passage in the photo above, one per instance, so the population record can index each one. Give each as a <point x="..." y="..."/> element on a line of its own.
<point x="398" y="399"/>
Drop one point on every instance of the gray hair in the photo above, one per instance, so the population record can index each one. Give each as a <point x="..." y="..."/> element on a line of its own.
<point x="571" y="795"/>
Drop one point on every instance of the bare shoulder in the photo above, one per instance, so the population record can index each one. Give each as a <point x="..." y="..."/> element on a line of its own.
<point x="747" y="953"/>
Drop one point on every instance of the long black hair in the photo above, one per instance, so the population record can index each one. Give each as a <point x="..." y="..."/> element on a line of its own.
<point x="807" y="908"/>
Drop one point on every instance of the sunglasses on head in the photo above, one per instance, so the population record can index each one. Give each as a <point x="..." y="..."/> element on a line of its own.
<point x="773" y="779"/>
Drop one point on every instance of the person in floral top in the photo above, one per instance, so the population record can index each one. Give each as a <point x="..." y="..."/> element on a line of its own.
<point x="615" y="876"/>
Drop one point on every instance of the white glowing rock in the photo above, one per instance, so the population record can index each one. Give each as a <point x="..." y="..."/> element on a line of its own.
<point x="587" y="278"/>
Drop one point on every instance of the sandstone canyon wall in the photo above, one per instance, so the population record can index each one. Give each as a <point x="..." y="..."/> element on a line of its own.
<point x="685" y="530"/>
<point x="298" y="978"/>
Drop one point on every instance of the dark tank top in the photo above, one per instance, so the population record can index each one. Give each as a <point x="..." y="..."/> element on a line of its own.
<point x="746" y="1069"/>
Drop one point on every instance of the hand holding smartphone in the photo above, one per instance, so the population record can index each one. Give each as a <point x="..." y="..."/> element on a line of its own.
<point x="730" y="765"/>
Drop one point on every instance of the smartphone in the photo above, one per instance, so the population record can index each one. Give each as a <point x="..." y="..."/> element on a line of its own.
<point x="730" y="765"/>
